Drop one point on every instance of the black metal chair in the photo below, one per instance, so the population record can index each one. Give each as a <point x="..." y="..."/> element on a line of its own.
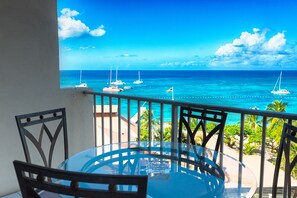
<point x="202" y="116"/>
<point x="77" y="184"/>
<point x="287" y="139"/>
<point x="34" y="129"/>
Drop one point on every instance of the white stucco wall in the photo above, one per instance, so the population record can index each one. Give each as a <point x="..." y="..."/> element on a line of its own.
<point x="29" y="79"/>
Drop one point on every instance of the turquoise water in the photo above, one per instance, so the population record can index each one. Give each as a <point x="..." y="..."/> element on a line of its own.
<point x="244" y="89"/>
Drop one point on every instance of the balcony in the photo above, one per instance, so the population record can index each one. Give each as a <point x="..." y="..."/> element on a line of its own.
<point x="119" y="118"/>
<point x="30" y="82"/>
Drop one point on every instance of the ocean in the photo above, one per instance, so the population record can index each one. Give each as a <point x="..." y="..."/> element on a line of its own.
<point x="244" y="89"/>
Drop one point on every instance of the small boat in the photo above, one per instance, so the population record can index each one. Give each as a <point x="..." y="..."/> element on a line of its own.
<point x="81" y="84"/>
<point x="117" y="82"/>
<point x="112" y="88"/>
<point x="279" y="91"/>
<point x="128" y="87"/>
<point x="139" y="81"/>
<point x="254" y="108"/>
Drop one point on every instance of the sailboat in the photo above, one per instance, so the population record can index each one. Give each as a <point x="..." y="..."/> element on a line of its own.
<point x="81" y="84"/>
<point x="112" y="88"/>
<point x="137" y="82"/>
<point x="117" y="82"/>
<point x="279" y="91"/>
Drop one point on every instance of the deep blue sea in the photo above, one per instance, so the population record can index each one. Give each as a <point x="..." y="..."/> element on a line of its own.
<point x="243" y="89"/>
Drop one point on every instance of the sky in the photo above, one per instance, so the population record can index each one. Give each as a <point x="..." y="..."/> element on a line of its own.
<point x="178" y="34"/>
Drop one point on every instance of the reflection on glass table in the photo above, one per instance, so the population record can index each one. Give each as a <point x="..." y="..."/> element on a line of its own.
<point x="174" y="170"/>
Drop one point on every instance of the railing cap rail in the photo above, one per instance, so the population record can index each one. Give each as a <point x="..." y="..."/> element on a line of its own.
<point x="264" y="113"/>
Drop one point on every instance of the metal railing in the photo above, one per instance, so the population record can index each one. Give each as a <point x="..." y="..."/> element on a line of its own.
<point x="121" y="107"/>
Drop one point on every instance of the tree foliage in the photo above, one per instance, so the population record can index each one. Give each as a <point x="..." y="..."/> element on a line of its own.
<point x="275" y="126"/>
<point x="144" y="125"/>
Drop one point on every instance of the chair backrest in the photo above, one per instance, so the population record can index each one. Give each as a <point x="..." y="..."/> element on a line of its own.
<point x="77" y="184"/>
<point x="201" y="117"/>
<point x="288" y="139"/>
<point x="40" y="132"/>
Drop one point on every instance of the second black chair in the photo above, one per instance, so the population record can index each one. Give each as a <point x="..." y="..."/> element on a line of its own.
<point x="288" y="141"/>
<point x="201" y="117"/>
<point x="53" y="183"/>
<point x="40" y="133"/>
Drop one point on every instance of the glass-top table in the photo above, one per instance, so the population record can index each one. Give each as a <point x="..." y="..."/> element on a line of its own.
<point x="174" y="170"/>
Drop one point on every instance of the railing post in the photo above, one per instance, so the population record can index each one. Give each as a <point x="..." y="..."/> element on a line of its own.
<point x="102" y="119"/>
<point x="240" y="152"/>
<point x="110" y="120"/>
<point x="174" y="126"/>
<point x="95" y="120"/>
<point x="161" y="121"/>
<point x="128" y="119"/>
<point x="150" y="135"/>
<point x="241" y="137"/>
<point x="262" y="165"/>
<point x="138" y="120"/>
<point x="119" y="121"/>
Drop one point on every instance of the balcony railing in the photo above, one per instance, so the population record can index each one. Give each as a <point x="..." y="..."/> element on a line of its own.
<point x="117" y="119"/>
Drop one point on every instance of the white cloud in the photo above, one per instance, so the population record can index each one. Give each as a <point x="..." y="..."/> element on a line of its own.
<point x="251" y="49"/>
<point x="98" y="32"/>
<point x="250" y="41"/>
<point x="256" y="30"/>
<point x="128" y="55"/>
<point x="227" y="50"/>
<point x="69" y="13"/>
<point x="66" y="49"/>
<point x="125" y="55"/>
<point x="87" y="47"/>
<point x="276" y="43"/>
<point x="180" y="63"/>
<point x="70" y="27"/>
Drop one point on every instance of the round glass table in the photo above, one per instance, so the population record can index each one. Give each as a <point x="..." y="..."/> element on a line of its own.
<point x="174" y="170"/>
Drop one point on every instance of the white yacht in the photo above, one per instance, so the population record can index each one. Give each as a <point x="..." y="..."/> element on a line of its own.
<point x="112" y="88"/>
<point x="139" y="81"/>
<point x="81" y="84"/>
<point x="127" y="87"/>
<point x="279" y="91"/>
<point x="117" y="82"/>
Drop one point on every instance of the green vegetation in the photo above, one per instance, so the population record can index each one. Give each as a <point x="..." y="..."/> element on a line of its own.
<point x="253" y="131"/>
<point x="144" y="125"/>
<point x="155" y="127"/>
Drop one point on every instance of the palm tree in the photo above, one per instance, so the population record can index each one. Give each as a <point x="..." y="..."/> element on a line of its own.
<point x="277" y="106"/>
<point x="166" y="134"/>
<point x="275" y="127"/>
<point x="144" y="123"/>
<point x="253" y="122"/>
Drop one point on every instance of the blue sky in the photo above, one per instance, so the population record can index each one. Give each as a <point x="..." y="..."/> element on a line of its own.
<point x="178" y="34"/>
